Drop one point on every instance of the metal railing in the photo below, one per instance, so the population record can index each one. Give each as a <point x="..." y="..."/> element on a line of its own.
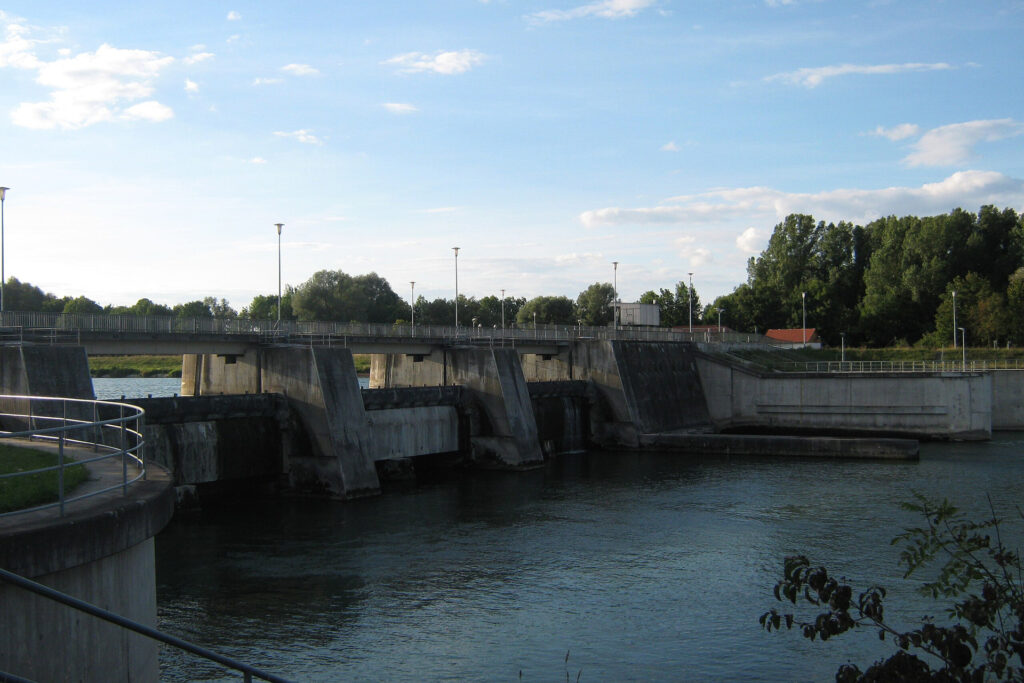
<point x="113" y="431"/>
<point x="68" y="328"/>
<point x="904" y="366"/>
<point x="248" y="672"/>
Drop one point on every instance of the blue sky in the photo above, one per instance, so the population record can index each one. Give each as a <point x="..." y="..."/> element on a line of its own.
<point x="151" y="147"/>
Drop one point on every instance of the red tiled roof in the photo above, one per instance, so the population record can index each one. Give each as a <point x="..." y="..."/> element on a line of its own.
<point x="793" y="336"/>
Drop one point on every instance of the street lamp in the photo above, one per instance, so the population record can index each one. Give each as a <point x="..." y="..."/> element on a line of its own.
<point x="3" y="196"/>
<point x="954" y="319"/>
<point x="615" y="296"/>
<point x="689" y="296"/>
<point x="719" y="321"/>
<point x="535" y="324"/>
<point x="803" y="296"/>
<point x="412" y="305"/>
<point x="279" y="226"/>
<point x="456" y="250"/>
<point x="503" y="312"/>
<point x="963" y="339"/>
<point x="842" y="351"/>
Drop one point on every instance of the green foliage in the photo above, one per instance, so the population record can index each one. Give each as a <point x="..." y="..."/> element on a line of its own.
<point x="83" y="305"/>
<point x="594" y="304"/>
<point x="33" y="489"/>
<point x="333" y="295"/>
<point x="264" y="307"/>
<point x="192" y="309"/>
<point x="675" y="306"/>
<point x="977" y="569"/>
<point x="135" y="366"/>
<point x="558" y="310"/>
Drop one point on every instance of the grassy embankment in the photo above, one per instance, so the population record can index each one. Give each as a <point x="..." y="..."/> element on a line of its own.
<point x="166" y="366"/>
<point x="783" y="359"/>
<point x="33" y="489"/>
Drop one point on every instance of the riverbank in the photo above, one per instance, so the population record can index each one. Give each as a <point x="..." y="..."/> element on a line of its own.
<point x="167" y="366"/>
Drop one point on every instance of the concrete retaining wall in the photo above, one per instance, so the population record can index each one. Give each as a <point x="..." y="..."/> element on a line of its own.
<point x="1007" y="399"/>
<point x="945" y="405"/>
<point x="406" y="432"/>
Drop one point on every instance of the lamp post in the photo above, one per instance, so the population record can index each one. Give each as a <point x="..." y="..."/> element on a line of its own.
<point x="803" y="296"/>
<point x="615" y="296"/>
<point x="842" y="352"/>
<point x="3" y="278"/>
<point x="279" y="226"/>
<point x="412" y="306"/>
<point x="689" y="296"/>
<point x="456" y="250"/>
<point x="954" y="319"/>
<point x="535" y="324"/>
<point x="503" y="312"/>
<point x="963" y="345"/>
<point x="719" y="321"/>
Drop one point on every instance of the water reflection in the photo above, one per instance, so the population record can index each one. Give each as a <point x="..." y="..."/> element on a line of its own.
<point x="645" y="566"/>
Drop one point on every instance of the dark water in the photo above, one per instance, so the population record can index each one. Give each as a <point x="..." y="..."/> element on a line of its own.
<point x="642" y="566"/>
<point x="113" y="388"/>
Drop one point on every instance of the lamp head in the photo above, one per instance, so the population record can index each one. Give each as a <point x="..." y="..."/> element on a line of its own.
<point x="456" y="250"/>
<point x="279" y="226"/>
<point x="3" y="193"/>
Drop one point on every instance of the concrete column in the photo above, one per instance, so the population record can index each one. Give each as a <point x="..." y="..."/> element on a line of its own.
<point x="45" y="371"/>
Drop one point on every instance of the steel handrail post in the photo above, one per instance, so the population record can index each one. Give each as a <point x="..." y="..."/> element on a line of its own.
<point x="60" y="462"/>
<point x="124" y="460"/>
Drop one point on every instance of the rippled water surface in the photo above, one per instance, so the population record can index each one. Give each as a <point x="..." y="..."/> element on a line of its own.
<point x="642" y="566"/>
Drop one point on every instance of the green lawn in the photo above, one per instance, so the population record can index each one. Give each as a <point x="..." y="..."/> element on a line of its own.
<point x="33" y="489"/>
<point x="135" y="366"/>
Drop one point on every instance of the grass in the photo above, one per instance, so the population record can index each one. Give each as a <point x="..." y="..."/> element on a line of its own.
<point x="30" y="490"/>
<point x="135" y="366"/>
<point x="783" y="358"/>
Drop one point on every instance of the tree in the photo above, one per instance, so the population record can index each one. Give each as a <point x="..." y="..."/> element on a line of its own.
<point x="22" y="296"/>
<point x="264" y="306"/>
<point x="594" y="304"/>
<point x="336" y="296"/>
<point x="974" y="556"/>
<point x="192" y="309"/>
<point x="84" y="305"/>
<point x="558" y="310"/>
<point x="142" y="307"/>
<point x="675" y="306"/>
<point x="220" y="309"/>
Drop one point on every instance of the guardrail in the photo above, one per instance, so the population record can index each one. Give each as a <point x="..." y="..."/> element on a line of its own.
<point x="904" y="366"/>
<point x="111" y="430"/>
<point x="68" y="328"/>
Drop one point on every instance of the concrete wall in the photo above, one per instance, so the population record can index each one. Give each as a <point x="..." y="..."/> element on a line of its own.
<point x="205" y="374"/>
<point x="406" y="432"/>
<point x="945" y="405"/>
<point x="390" y="370"/>
<point x="1007" y="399"/>
<point x="102" y="552"/>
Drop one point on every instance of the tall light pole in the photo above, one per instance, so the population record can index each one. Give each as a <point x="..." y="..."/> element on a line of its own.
<point x="3" y="196"/>
<point x="503" y="311"/>
<point x="279" y="226"/>
<point x="456" y="250"/>
<point x="954" y="319"/>
<point x="842" y="352"/>
<point x="803" y="296"/>
<point x="689" y="296"/>
<point x="963" y="338"/>
<point x="615" y="296"/>
<point x="719" y="321"/>
<point x="412" y="304"/>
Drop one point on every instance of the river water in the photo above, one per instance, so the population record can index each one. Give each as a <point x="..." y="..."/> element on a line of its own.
<point x="640" y="566"/>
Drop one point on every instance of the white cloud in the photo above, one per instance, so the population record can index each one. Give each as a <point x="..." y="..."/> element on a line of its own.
<point x="191" y="86"/>
<point x="305" y="136"/>
<point x="87" y="88"/>
<point x="607" y="9"/>
<point x="299" y="69"/>
<point x="257" y="160"/>
<point x="442" y="62"/>
<point x="697" y="256"/>
<point x="812" y="77"/>
<point x="749" y="241"/>
<point x="896" y="133"/>
<point x="234" y="16"/>
<point x="670" y="147"/>
<point x="148" y="111"/>
<point x="442" y="209"/>
<point x="267" y="81"/>
<point x="400" y="108"/>
<point x="198" y="57"/>
<point x="966" y="189"/>
<point x="778" y="3"/>
<point x="954" y="144"/>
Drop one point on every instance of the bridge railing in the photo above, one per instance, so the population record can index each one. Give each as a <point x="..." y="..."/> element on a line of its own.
<point x="111" y="430"/>
<point x="67" y="328"/>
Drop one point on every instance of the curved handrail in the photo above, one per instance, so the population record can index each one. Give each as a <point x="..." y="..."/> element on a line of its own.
<point x="111" y="429"/>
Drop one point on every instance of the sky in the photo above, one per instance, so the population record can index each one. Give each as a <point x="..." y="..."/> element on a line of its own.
<point x="150" y="148"/>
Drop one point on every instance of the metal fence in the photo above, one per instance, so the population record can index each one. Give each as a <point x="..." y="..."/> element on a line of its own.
<point x="112" y="431"/>
<point x="905" y="366"/>
<point x="16" y="326"/>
